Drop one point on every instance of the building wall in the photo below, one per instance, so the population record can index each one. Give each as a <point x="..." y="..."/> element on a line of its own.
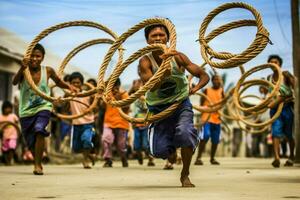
<point x="8" y="67"/>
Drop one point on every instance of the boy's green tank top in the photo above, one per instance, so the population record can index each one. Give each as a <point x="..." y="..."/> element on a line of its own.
<point x="30" y="102"/>
<point x="173" y="88"/>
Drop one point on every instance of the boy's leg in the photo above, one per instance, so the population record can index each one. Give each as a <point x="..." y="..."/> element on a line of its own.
<point x="204" y="136"/>
<point x="215" y="139"/>
<point x="38" y="154"/>
<point x="10" y="156"/>
<point x="138" y="143"/>
<point x="186" y="154"/>
<point x="277" y="133"/>
<point x="121" y="135"/>
<point x="187" y="138"/>
<point x="87" y="144"/>
<point x="201" y="149"/>
<point x="107" y="141"/>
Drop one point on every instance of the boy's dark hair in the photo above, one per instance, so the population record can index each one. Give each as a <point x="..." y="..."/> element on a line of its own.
<point x="92" y="81"/>
<point x="117" y="83"/>
<point x="277" y="57"/>
<point x="75" y="75"/>
<point x="215" y="76"/>
<point x="6" y="104"/>
<point x="148" y="29"/>
<point x="39" y="47"/>
<point x="67" y="78"/>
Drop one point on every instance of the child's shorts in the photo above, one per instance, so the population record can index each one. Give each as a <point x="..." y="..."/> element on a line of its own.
<point x="173" y="132"/>
<point x="212" y="131"/>
<point x="283" y="125"/>
<point x="82" y="137"/>
<point x="9" y="144"/>
<point x="33" y="125"/>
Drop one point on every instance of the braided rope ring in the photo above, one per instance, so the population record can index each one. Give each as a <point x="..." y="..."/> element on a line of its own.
<point x="42" y="35"/>
<point x="232" y="60"/>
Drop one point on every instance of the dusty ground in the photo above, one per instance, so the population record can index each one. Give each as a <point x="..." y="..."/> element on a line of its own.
<point x="236" y="178"/>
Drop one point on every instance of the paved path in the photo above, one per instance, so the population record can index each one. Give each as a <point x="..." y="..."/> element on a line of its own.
<point x="236" y="178"/>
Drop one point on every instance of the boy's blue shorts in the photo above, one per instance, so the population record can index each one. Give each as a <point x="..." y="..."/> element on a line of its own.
<point x="173" y="132"/>
<point x="283" y="125"/>
<point x="211" y="130"/>
<point x="33" y="125"/>
<point x="82" y="137"/>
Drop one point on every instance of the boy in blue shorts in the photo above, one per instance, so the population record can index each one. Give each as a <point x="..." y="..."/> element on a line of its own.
<point x="177" y="130"/>
<point x="211" y="121"/>
<point x="34" y="111"/>
<point x="83" y="127"/>
<point x="283" y="125"/>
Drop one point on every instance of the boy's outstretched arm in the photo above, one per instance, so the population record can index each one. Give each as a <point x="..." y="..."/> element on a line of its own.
<point x="60" y="83"/>
<point x="193" y="69"/>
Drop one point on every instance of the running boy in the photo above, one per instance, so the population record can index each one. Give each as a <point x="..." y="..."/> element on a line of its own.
<point x="34" y="111"/>
<point x="178" y="129"/>
<point x="212" y="122"/>
<point x="115" y="129"/>
<point x="83" y="127"/>
<point x="282" y="127"/>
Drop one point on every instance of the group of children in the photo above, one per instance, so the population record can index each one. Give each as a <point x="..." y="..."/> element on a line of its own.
<point x="160" y="139"/>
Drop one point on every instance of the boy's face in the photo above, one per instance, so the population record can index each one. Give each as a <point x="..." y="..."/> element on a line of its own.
<point x="36" y="58"/>
<point x="7" y="110"/>
<point x="157" y="35"/>
<point x="115" y="90"/>
<point x="275" y="61"/>
<point x="76" y="82"/>
<point x="217" y="82"/>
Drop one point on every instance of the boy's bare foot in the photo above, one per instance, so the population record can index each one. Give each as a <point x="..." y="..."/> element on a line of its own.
<point x="168" y="166"/>
<point x="214" y="162"/>
<point x="92" y="157"/>
<point x="276" y="163"/>
<point x="86" y="165"/>
<point x="151" y="163"/>
<point x="38" y="170"/>
<point x="108" y="163"/>
<point x="289" y="163"/>
<point x="198" y="162"/>
<point x="185" y="182"/>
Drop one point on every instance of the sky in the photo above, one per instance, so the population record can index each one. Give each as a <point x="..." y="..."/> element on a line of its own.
<point x="27" y="18"/>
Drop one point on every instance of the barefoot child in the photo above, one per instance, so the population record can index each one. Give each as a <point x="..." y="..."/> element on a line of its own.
<point x="115" y="129"/>
<point x="34" y="111"/>
<point x="211" y="128"/>
<point x="282" y="127"/>
<point x="177" y="130"/>
<point x="83" y="127"/>
<point x="9" y="132"/>
<point x="140" y="141"/>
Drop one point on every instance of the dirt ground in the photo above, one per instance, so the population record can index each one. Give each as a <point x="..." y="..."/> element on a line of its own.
<point x="235" y="178"/>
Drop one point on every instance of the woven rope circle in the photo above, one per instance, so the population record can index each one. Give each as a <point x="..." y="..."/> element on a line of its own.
<point x="232" y="60"/>
<point x="42" y="35"/>
<point x="265" y="102"/>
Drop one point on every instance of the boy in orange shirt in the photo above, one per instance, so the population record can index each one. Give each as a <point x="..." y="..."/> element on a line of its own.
<point x="211" y="128"/>
<point x="115" y="128"/>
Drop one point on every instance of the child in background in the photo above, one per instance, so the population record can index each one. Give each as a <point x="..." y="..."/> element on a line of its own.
<point x="83" y="127"/>
<point x="141" y="142"/>
<point x="115" y="128"/>
<point x="10" y="133"/>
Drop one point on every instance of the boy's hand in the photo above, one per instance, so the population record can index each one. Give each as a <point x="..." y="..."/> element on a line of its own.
<point x="73" y="89"/>
<point x="25" y="63"/>
<point x="169" y="54"/>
